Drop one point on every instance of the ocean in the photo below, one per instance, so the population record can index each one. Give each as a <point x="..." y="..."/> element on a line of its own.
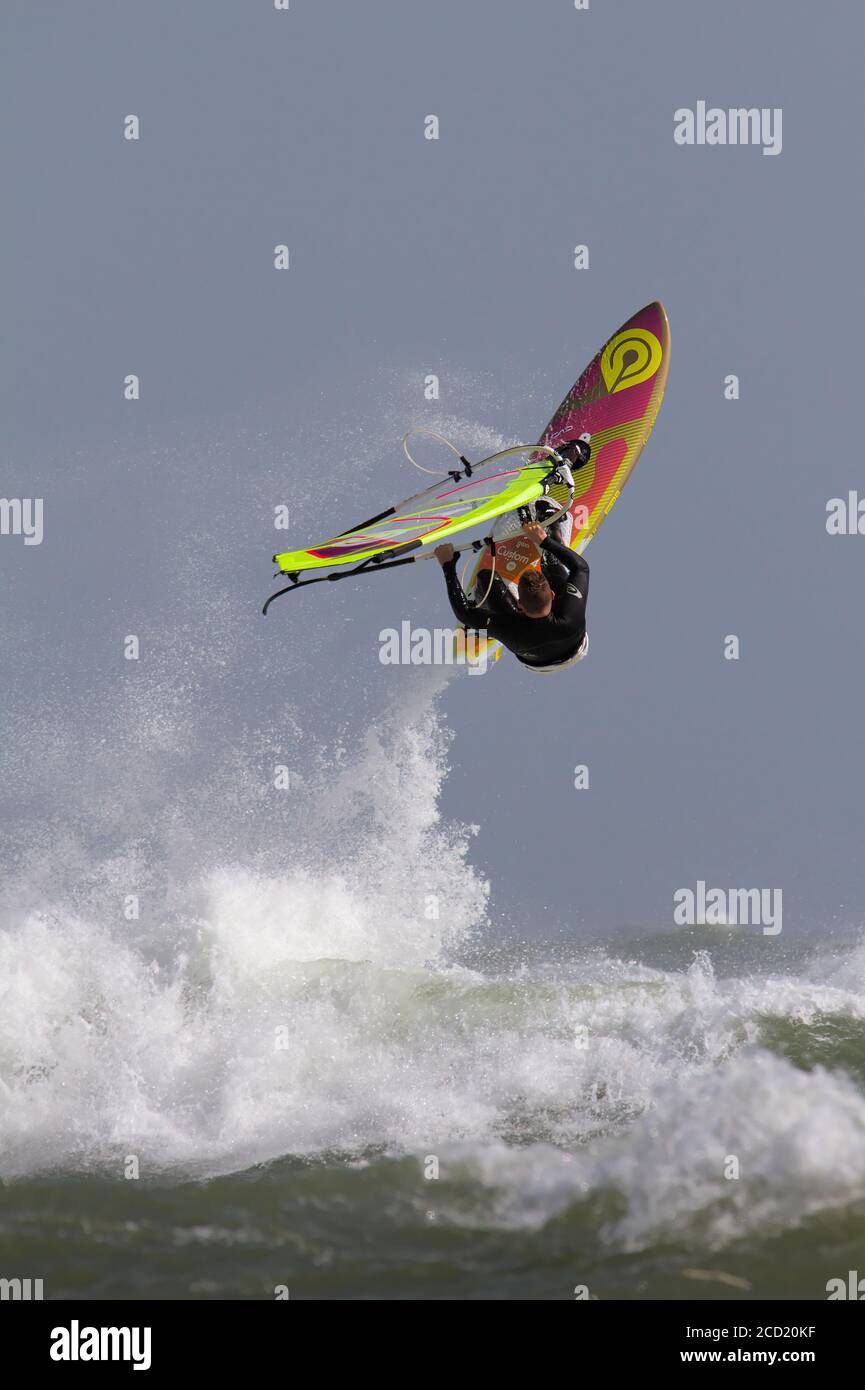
<point x="316" y="1066"/>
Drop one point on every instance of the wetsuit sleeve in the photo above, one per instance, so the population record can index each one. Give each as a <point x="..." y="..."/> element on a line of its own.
<point x="464" y="611"/>
<point x="576" y="566"/>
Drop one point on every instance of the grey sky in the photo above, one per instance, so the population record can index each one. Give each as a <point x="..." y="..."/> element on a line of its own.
<point x="455" y="257"/>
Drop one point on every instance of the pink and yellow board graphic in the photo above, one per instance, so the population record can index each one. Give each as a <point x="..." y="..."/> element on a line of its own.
<point x="615" y="401"/>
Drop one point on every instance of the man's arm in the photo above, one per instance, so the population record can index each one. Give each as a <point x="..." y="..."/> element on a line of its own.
<point x="577" y="567"/>
<point x="465" y="612"/>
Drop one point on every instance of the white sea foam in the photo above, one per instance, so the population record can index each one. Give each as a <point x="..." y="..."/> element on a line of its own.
<point x="302" y="1001"/>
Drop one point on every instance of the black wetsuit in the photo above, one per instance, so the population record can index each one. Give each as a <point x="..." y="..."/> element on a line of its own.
<point x="533" y="641"/>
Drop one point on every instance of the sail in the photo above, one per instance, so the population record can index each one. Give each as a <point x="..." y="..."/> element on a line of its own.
<point x="467" y="497"/>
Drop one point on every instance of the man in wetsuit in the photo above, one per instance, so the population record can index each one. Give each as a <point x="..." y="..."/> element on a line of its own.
<point x="546" y="627"/>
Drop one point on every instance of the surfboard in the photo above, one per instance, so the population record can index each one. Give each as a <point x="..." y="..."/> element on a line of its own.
<point x="615" y="400"/>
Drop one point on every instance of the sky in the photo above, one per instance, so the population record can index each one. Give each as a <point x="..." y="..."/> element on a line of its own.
<point x="452" y="256"/>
